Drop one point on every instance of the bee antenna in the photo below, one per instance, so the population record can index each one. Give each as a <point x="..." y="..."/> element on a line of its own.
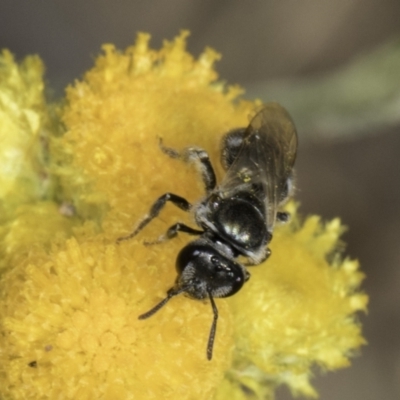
<point x="171" y="293"/>
<point x="213" y="329"/>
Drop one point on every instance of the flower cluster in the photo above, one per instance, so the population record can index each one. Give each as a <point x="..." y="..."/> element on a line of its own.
<point x="76" y="177"/>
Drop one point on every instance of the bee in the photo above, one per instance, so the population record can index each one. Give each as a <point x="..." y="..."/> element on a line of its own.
<point x="235" y="218"/>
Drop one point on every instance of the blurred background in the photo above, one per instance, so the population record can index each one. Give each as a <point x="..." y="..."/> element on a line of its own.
<point x="335" y="65"/>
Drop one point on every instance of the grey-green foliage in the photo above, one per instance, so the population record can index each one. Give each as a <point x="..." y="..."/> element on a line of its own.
<point x="361" y="97"/>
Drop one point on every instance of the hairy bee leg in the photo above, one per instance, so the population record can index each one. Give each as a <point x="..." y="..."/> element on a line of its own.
<point x="201" y="160"/>
<point x="203" y="164"/>
<point x="213" y="330"/>
<point x="158" y="205"/>
<point x="172" y="232"/>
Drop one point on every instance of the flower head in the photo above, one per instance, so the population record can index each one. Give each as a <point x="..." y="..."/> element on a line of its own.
<point x="69" y="307"/>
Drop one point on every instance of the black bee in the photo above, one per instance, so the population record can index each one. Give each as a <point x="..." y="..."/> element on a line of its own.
<point x="237" y="217"/>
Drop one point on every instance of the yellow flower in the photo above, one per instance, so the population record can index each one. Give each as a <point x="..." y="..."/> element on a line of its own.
<point x="69" y="307"/>
<point x="26" y="186"/>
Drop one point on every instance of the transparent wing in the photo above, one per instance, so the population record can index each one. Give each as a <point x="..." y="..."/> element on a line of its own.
<point x="265" y="160"/>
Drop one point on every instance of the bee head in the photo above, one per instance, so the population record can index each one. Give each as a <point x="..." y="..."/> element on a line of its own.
<point x="204" y="268"/>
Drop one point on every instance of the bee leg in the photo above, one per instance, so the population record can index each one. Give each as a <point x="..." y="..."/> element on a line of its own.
<point x="283" y="216"/>
<point x="201" y="160"/>
<point x="155" y="209"/>
<point x="172" y="232"/>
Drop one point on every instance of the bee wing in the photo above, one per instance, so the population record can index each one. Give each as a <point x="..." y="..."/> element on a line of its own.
<point x="265" y="160"/>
